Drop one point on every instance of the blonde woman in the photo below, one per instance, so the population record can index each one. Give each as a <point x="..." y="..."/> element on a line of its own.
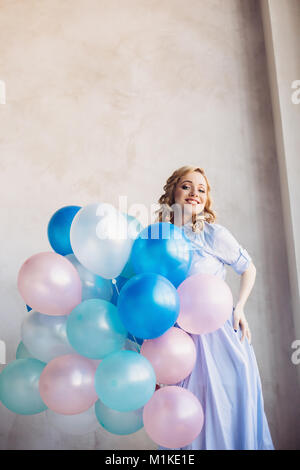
<point x="226" y="377"/>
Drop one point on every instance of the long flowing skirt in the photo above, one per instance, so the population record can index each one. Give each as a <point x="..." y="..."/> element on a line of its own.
<point x="227" y="382"/>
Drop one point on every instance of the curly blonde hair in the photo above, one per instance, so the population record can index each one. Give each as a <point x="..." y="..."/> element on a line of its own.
<point x="166" y="213"/>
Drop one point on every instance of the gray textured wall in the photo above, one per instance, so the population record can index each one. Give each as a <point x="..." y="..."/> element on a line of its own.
<point x="97" y="91"/>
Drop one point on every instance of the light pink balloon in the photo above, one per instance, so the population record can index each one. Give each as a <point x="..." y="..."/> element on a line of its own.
<point x="50" y="284"/>
<point x="173" y="417"/>
<point x="205" y="303"/>
<point x="67" y="384"/>
<point x="172" y="355"/>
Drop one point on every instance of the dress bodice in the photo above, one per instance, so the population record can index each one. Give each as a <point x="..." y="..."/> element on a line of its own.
<point x="214" y="248"/>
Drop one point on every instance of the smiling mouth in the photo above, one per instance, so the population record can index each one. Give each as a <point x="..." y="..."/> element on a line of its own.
<point x="192" y="201"/>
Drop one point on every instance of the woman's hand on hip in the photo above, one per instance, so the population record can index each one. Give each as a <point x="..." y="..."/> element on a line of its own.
<point x="239" y="319"/>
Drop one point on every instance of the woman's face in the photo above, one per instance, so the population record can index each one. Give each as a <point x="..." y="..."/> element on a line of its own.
<point x="191" y="194"/>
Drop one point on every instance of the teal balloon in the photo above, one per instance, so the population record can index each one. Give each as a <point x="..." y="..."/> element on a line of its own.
<point x="125" y="381"/>
<point x="93" y="286"/>
<point x="148" y="305"/>
<point x="19" y="386"/>
<point x="94" y="329"/>
<point x="22" y="352"/>
<point x="162" y="248"/>
<point x="119" y="422"/>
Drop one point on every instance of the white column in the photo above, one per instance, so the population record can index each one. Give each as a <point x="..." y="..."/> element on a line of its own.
<point x="281" y="22"/>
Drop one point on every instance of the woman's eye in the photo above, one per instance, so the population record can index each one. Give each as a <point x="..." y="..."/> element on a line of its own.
<point x="187" y="187"/>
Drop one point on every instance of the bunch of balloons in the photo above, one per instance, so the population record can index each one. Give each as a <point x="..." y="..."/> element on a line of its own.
<point x="110" y="310"/>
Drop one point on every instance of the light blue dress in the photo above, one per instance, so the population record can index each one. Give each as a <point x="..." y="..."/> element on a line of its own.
<point x="225" y="377"/>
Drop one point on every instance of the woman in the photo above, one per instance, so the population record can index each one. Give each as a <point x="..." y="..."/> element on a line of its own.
<point x="225" y="378"/>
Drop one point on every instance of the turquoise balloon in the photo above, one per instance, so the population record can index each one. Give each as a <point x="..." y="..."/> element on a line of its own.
<point x="22" y="352"/>
<point x="125" y="381"/>
<point x="164" y="249"/>
<point x="94" y="329"/>
<point x="19" y="386"/>
<point x="119" y="422"/>
<point x="93" y="286"/>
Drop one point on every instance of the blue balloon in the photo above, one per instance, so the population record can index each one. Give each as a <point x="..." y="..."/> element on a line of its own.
<point x="19" y="386"/>
<point x="94" y="329"/>
<point x="148" y="305"/>
<point x="120" y="283"/>
<point x="125" y="381"/>
<point x="119" y="422"/>
<point x="59" y="229"/>
<point x="134" y="228"/>
<point x="162" y="248"/>
<point x="128" y="271"/>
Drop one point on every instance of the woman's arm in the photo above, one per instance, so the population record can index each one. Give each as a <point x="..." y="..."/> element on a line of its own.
<point x="246" y="285"/>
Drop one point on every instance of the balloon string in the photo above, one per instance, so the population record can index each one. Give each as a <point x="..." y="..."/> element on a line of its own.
<point x="136" y="343"/>
<point x="114" y="281"/>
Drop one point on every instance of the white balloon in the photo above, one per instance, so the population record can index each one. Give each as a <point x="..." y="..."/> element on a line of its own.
<point x="45" y="336"/>
<point x="100" y="240"/>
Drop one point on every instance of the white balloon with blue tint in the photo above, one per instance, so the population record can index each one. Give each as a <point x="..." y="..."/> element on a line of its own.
<point x="99" y="239"/>
<point x="93" y="286"/>
<point x="45" y="336"/>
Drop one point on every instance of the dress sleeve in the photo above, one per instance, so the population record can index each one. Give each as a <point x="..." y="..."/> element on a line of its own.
<point x="229" y="251"/>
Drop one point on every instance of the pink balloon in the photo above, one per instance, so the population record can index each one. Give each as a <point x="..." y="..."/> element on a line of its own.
<point x="50" y="284"/>
<point x="205" y="303"/>
<point x="172" y="355"/>
<point x="173" y="417"/>
<point x="67" y="384"/>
